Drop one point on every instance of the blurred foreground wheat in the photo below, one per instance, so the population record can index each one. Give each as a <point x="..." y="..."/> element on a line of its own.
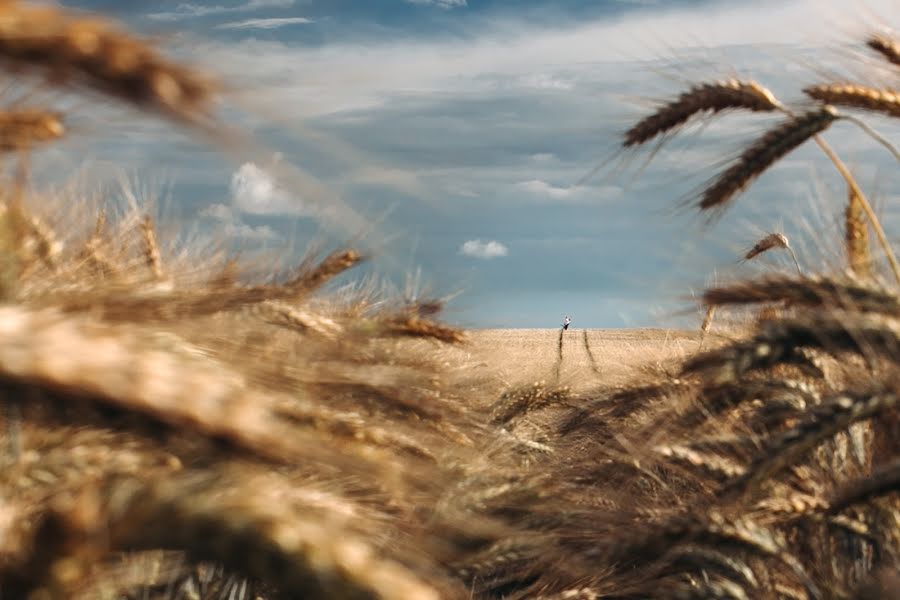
<point x="184" y="431"/>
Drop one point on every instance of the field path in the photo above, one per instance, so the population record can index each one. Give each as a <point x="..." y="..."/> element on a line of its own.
<point x="514" y="357"/>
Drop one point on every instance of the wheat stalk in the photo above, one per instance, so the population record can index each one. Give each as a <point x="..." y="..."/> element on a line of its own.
<point x="707" y="97"/>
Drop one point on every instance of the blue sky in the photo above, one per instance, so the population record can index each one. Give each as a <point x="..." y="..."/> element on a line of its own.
<point x="462" y="126"/>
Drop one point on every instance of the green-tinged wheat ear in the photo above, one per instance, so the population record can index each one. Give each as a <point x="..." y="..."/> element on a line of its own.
<point x="707" y="97"/>
<point x="763" y="153"/>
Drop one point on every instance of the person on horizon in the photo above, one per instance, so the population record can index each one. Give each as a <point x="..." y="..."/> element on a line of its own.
<point x="566" y="322"/>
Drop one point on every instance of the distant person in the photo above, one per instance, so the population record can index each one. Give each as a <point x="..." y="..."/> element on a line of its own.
<point x="566" y="322"/>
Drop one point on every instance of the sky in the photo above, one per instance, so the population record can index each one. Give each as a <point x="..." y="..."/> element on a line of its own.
<point x="449" y="137"/>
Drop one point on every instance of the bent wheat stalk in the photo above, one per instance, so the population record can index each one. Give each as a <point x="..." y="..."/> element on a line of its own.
<point x="773" y="240"/>
<point x="864" y="204"/>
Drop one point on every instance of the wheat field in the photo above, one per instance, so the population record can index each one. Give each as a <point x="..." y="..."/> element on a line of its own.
<point x="205" y="425"/>
<point x="590" y="357"/>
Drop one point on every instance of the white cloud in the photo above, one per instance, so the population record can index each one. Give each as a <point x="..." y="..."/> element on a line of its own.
<point x="483" y="250"/>
<point x="346" y="75"/>
<point x="232" y="226"/>
<point x="445" y="4"/>
<point x="190" y="9"/>
<point x="540" y="187"/>
<point x="255" y="191"/>
<point x="576" y="193"/>
<point x="274" y="23"/>
<point x="218" y="212"/>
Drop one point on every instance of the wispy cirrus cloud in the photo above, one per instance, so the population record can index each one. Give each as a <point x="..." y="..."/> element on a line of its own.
<point x="445" y="4"/>
<point x="483" y="250"/>
<point x="191" y="9"/>
<point x="273" y="23"/>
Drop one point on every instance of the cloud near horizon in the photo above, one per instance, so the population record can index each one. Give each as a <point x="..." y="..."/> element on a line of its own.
<point x="255" y="191"/>
<point x="272" y="23"/>
<point x="483" y="250"/>
<point x="445" y="4"/>
<point x="232" y="225"/>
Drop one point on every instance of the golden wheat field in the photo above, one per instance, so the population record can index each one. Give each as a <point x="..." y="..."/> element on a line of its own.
<point x="207" y="425"/>
<point x="516" y="357"/>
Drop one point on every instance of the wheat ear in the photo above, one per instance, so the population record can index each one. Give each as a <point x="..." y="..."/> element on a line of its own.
<point x="762" y="154"/>
<point x="825" y="421"/>
<point x="884" y="480"/>
<point x="302" y="557"/>
<point x="97" y="55"/>
<point x="808" y="291"/>
<point x="856" y="238"/>
<point x="864" y="204"/>
<point x="24" y="129"/>
<point x="707" y="97"/>
<point x="152" y="256"/>
<point x="885" y="101"/>
<point x="773" y="240"/>
<point x="886" y="46"/>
